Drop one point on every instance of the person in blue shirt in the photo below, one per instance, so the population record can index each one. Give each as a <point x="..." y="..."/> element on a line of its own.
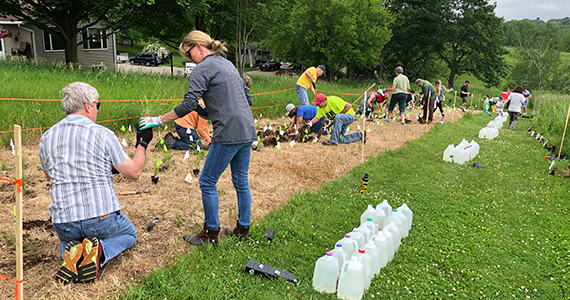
<point x="304" y="113"/>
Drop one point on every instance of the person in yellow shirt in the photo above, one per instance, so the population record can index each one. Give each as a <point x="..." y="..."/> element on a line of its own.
<point x="306" y="81"/>
<point x="341" y="112"/>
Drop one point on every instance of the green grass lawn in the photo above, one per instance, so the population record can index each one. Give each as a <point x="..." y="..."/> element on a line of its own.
<point x="494" y="233"/>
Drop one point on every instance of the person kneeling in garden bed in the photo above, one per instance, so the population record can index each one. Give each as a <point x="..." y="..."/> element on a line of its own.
<point x="341" y="112"/>
<point x="76" y="156"/>
<point x="190" y="129"/>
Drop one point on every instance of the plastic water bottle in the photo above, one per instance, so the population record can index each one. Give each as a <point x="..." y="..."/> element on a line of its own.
<point x="391" y="242"/>
<point x="381" y="217"/>
<point x="408" y="212"/>
<point x="405" y="229"/>
<point x="358" y="237"/>
<point x="370" y="212"/>
<point x="393" y="228"/>
<point x="349" y="245"/>
<point x="371" y="225"/>
<point x="366" y="233"/>
<point x="366" y="261"/>
<point x="385" y="207"/>
<point x="374" y="252"/>
<point x="326" y="274"/>
<point x="351" y="281"/>
<point x="448" y="153"/>
<point x="364" y="184"/>
<point x="341" y="255"/>
<point x="384" y="247"/>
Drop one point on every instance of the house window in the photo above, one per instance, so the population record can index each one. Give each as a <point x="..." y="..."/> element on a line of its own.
<point x="94" y="39"/>
<point x="51" y="43"/>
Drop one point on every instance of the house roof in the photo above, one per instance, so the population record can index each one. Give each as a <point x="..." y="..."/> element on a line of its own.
<point x="9" y="20"/>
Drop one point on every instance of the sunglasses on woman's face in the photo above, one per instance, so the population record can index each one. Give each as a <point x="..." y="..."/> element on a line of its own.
<point x="190" y="49"/>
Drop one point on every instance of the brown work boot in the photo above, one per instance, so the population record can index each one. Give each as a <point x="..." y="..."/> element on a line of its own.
<point x="240" y="232"/>
<point x="207" y="235"/>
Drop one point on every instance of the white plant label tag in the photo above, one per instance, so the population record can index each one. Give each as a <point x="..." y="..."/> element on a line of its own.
<point x="315" y="140"/>
<point x="292" y="143"/>
<point x="191" y="138"/>
<point x="368" y="129"/>
<point x="265" y="128"/>
<point x="551" y="166"/>
<point x="310" y="124"/>
<point x="198" y="148"/>
<point x="377" y="122"/>
<point x="130" y="128"/>
<point x="281" y="132"/>
<point x="188" y="131"/>
<point x="255" y="121"/>
<point x="188" y="177"/>
<point x="124" y="143"/>
<point x="186" y="155"/>
<point x="13" y="150"/>
<point x="270" y="128"/>
<point x="347" y="128"/>
<point x="260" y="115"/>
<point x="358" y="128"/>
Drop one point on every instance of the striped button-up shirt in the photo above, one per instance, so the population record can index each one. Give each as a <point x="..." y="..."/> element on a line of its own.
<point x="77" y="155"/>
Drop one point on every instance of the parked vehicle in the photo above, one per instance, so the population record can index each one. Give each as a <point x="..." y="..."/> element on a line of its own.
<point x="147" y="59"/>
<point x="269" y="65"/>
<point x="122" y="57"/>
<point x="286" y="73"/>
<point x="285" y="65"/>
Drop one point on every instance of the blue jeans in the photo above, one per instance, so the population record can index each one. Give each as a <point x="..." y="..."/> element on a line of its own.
<point x="399" y="98"/>
<point x="302" y="95"/>
<point x="219" y="156"/>
<point x="317" y="126"/>
<point x="184" y="142"/>
<point x="341" y="122"/>
<point x="116" y="233"/>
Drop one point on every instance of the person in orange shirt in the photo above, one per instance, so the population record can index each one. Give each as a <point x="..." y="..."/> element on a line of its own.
<point x="191" y="129"/>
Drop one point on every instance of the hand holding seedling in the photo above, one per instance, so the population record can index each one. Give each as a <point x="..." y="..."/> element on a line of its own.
<point x="149" y="122"/>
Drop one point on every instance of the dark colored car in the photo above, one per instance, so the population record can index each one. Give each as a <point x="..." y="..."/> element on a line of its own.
<point x="269" y="65"/>
<point x="147" y="59"/>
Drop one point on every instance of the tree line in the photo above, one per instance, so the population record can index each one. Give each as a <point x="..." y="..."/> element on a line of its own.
<point x="367" y="38"/>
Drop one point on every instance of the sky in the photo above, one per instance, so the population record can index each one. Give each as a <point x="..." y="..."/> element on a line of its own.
<point x="531" y="9"/>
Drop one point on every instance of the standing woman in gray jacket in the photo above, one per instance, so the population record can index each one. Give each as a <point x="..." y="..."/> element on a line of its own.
<point x="217" y="81"/>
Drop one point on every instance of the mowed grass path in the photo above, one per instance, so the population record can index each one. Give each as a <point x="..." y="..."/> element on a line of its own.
<point x="493" y="233"/>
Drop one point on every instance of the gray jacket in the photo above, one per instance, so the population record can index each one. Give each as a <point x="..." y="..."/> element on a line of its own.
<point x="217" y="81"/>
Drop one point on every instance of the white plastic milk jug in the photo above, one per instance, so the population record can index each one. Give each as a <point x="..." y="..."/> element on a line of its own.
<point x="358" y="237"/>
<point x="483" y="133"/>
<point x="371" y="225"/>
<point x="448" y="153"/>
<point x="366" y="233"/>
<point x="370" y="212"/>
<point x="349" y="245"/>
<point x="326" y="274"/>
<point x="384" y="248"/>
<point x="374" y="252"/>
<point x="385" y="207"/>
<point x="366" y="261"/>
<point x="405" y="229"/>
<point x="393" y="218"/>
<point x="393" y="228"/>
<point x="341" y="255"/>
<point x="391" y="242"/>
<point x="381" y="217"/>
<point x="351" y="281"/>
<point x="408" y="212"/>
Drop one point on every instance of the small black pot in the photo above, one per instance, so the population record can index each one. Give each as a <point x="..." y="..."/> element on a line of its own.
<point x="154" y="179"/>
<point x="196" y="172"/>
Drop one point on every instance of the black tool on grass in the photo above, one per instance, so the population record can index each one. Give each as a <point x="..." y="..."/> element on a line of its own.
<point x="477" y="165"/>
<point x="255" y="268"/>
<point x="270" y="234"/>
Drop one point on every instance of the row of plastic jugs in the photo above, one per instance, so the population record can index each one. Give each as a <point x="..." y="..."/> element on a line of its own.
<point x="361" y="254"/>
<point x="463" y="153"/>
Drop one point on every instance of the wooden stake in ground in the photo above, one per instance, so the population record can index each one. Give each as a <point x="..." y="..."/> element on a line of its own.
<point x="564" y="134"/>
<point x="361" y="95"/>
<point x="18" y="211"/>
<point x="364" y="123"/>
<point x="453" y="111"/>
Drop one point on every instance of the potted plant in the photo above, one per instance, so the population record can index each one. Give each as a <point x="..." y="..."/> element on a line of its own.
<point x="200" y="155"/>
<point x="157" y="165"/>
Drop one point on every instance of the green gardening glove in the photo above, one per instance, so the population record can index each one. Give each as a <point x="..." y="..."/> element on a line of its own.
<point x="149" y="122"/>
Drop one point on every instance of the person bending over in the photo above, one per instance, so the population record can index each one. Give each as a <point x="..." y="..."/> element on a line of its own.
<point x="341" y="112"/>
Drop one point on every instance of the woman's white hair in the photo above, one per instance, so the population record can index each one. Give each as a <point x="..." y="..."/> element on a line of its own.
<point x="75" y="95"/>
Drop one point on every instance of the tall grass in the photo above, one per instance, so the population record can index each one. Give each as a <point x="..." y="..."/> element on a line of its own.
<point x="47" y="80"/>
<point x="551" y="120"/>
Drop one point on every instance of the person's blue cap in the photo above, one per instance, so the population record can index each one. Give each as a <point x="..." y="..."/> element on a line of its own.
<point x="467" y="81"/>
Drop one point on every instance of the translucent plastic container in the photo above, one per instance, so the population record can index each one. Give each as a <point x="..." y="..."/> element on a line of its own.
<point x="395" y="230"/>
<point x="326" y="274"/>
<point x="391" y="241"/>
<point x="366" y="261"/>
<point x="385" y="207"/>
<point x="393" y="218"/>
<point x="351" y="281"/>
<point x="374" y="252"/>
<point x="358" y="237"/>
<point x="371" y="225"/>
<point x="463" y="144"/>
<point x="408" y="212"/>
<point x="381" y="216"/>
<point x="483" y="133"/>
<point x="404" y="227"/>
<point x="341" y="255"/>
<point x="461" y="156"/>
<point x="492" y="133"/>
<point x="370" y="212"/>
<point x="349" y="245"/>
<point x="475" y="147"/>
<point x="448" y="153"/>
<point x="366" y="233"/>
<point x="384" y="247"/>
<point x="492" y="124"/>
